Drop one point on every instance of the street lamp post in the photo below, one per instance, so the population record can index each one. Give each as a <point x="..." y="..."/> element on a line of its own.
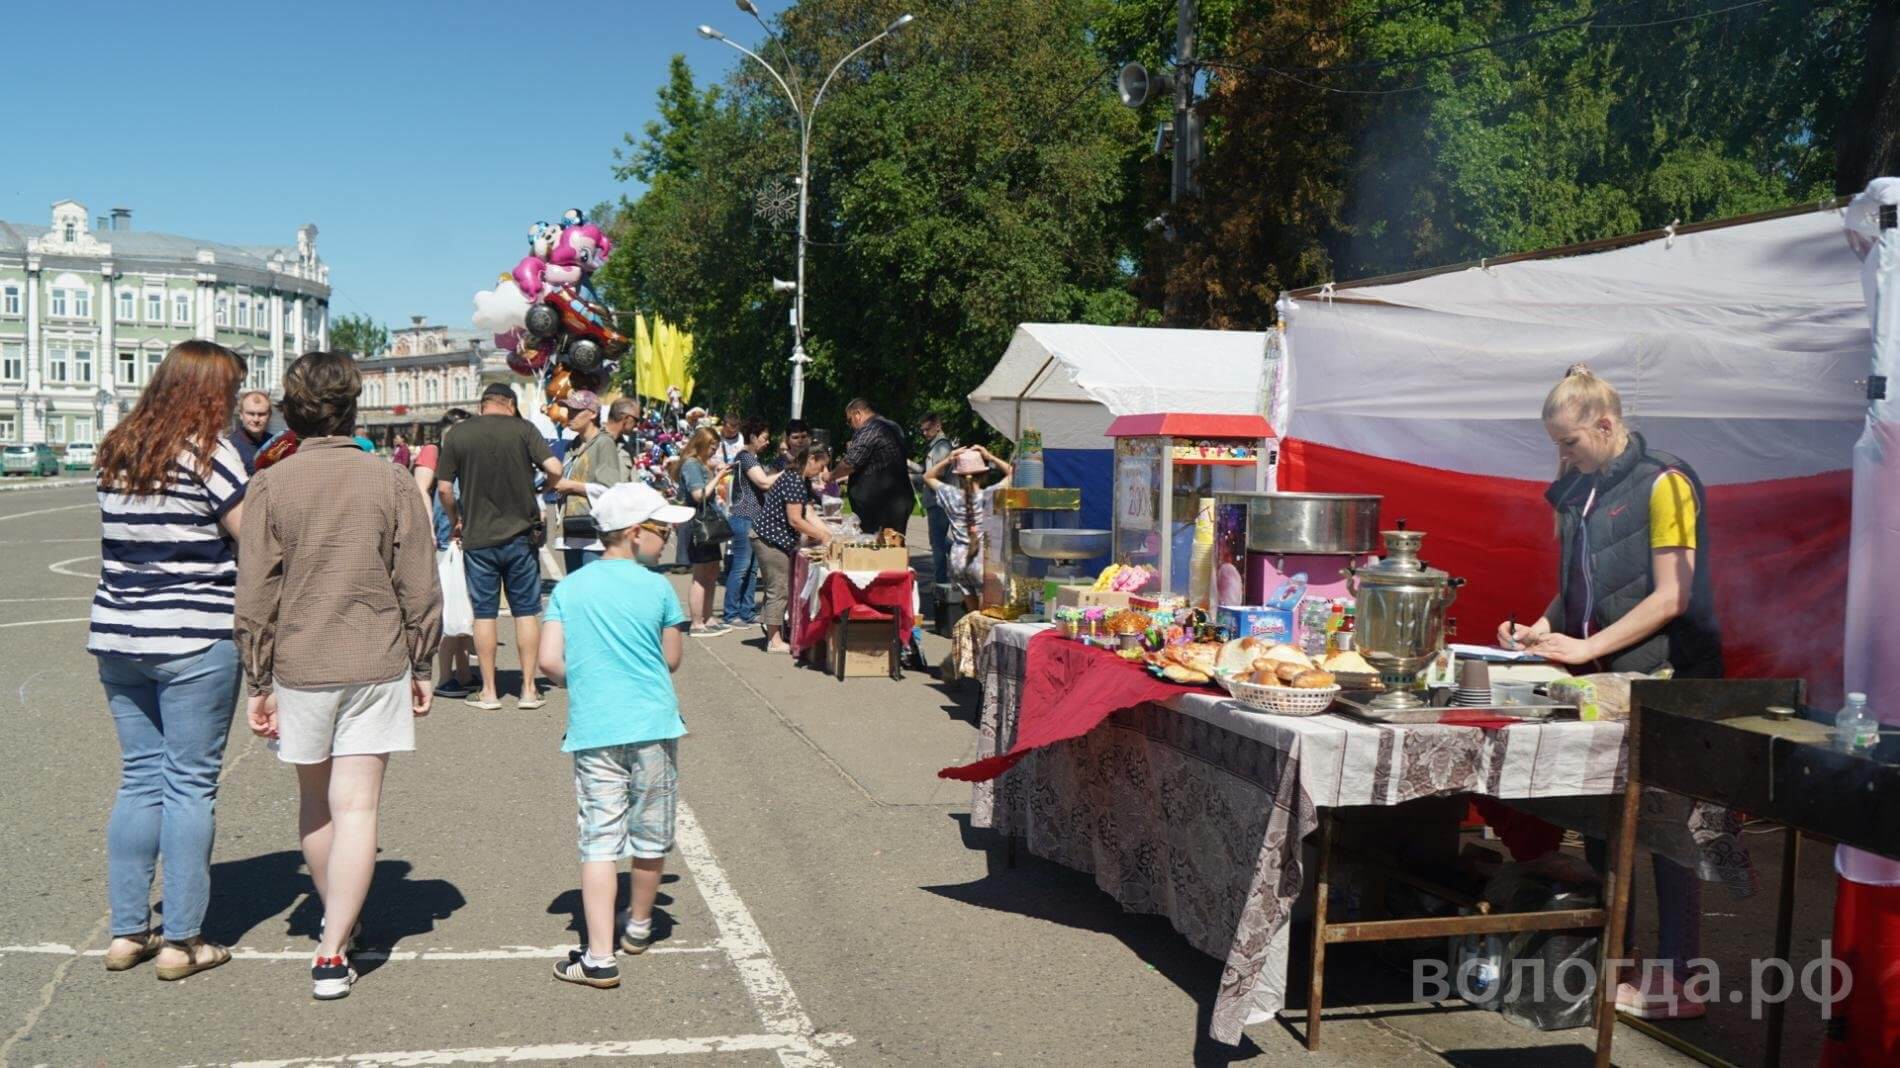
<point x="804" y="113"/>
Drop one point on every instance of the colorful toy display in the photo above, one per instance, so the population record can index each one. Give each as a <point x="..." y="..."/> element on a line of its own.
<point x="547" y="314"/>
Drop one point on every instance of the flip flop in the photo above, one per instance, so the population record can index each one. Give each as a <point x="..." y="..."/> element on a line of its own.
<point x="531" y="703"/>
<point x="478" y="701"/>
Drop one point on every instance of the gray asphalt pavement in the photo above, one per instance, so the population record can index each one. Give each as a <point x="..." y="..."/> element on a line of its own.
<point x="828" y="903"/>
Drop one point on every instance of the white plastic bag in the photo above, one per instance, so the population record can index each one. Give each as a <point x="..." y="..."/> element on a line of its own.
<point x="458" y="613"/>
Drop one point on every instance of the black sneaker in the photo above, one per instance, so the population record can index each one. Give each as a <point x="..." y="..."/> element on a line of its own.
<point x="451" y="688"/>
<point x="331" y="978"/>
<point x="635" y="946"/>
<point x="575" y="969"/>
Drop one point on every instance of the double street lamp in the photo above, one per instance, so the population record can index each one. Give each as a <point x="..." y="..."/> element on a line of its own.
<point x="804" y="112"/>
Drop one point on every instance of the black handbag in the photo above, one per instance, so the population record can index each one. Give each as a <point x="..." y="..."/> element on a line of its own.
<point x="709" y="527"/>
<point x="579" y="527"/>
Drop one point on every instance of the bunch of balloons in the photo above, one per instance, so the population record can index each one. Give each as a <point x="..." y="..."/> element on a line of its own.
<point x="547" y="315"/>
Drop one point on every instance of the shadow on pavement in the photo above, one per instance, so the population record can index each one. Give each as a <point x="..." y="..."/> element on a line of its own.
<point x="247" y="893"/>
<point x="568" y="904"/>
<point x="1046" y="891"/>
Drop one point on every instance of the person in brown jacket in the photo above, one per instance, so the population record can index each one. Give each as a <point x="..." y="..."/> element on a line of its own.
<point x="339" y="612"/>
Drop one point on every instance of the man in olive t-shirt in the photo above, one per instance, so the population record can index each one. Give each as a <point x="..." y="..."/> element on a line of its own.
<point x="493" y="457"/>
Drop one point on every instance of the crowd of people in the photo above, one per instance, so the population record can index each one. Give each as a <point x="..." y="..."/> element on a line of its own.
<point x="343" y="594"/>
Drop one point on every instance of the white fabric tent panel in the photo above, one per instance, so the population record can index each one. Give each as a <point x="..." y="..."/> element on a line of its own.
<point x="1118" y="370"/>
<point x="1756" y="382"/>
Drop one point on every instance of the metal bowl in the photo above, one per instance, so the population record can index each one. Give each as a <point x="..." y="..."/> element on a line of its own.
<point x="1056" y="543"/>
<point x="1308" y="523"/>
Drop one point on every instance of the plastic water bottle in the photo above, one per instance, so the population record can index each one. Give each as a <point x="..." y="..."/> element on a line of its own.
<point x="1854" y="727"/>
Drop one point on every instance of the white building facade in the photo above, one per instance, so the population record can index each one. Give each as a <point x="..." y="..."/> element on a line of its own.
<point x="89" y="306"/>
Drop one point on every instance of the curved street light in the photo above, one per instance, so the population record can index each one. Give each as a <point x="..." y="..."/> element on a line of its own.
<point x="804" y="113"/>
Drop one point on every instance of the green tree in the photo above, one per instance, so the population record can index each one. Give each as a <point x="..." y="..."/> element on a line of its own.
<point x="965" y="178"/>
<point x="358" y="334"/>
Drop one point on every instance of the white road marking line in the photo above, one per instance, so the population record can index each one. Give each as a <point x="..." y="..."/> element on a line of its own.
<point x="765" y="984"/>
<point x="60" y="949"/>
<point x="44" y="511"/>
<point x="37" y="622"/>
<point x="58" y="567"/>
<point x="32" y="600"/>
<point x="794" y="1045"/>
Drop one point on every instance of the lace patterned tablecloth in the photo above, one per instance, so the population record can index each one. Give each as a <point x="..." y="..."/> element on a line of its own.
<point x="1195" y="810"/>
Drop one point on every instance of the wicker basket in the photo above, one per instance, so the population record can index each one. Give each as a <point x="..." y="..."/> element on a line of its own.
<point x="1280" y="700"/>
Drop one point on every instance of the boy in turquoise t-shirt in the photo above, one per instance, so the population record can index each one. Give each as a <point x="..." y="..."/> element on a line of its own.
<point x="614" y="635"/>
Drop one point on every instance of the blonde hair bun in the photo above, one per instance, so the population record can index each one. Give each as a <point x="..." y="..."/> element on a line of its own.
<point x="1579" y="370"/>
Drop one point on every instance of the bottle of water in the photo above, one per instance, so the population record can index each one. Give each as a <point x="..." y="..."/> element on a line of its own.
<point x="1854" y="727"/>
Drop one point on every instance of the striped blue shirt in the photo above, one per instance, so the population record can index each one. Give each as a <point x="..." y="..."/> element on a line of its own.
<point x="167" y="572"/>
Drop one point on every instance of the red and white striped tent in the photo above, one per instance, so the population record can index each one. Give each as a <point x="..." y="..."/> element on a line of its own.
<point x="1739" y="346"/>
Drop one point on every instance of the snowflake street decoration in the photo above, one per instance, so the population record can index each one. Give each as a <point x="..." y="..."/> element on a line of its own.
<point x="775" y="202"/>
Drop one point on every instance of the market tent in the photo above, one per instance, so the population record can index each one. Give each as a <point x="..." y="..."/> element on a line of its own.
<point x="1070" y="380"/>
<point x="1739" y="346"/>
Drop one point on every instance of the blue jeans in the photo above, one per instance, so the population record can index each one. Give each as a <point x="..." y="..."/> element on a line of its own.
<point x="513" y="564"/>
<point x="939" y="547"/>
<point x="575" y="559"/>
<point x="742" y="574"/>
<point x="173" y="717"/>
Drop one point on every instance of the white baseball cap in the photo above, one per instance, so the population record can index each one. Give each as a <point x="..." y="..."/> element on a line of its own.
<point x="630" y="504"/>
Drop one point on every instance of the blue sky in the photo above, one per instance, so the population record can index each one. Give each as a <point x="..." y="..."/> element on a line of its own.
<point x="421" y="137"/>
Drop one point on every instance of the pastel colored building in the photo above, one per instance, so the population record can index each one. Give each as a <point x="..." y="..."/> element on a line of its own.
<point x="88" y="307"/>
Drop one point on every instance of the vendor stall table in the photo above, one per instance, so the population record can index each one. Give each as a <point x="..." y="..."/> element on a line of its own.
<point x="822" y="596"/>
<point x="1195" y="809"/>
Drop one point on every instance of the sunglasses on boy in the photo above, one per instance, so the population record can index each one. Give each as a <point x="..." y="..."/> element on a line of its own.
<point x="664" y="530"/>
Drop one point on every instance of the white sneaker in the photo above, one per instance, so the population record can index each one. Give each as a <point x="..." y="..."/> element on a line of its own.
<point x="1660" y="997"/>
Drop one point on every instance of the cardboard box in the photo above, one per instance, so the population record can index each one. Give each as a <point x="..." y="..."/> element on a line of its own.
<point x="867" y="558"/>
<point x="1256" y="621"/>
<point x="1086" y="596"/>
<point x="871" y="650"/>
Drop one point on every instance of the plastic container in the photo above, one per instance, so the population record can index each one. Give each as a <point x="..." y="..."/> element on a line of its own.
<point x="1508" y="692"/>
<point x="1854" y="727"/>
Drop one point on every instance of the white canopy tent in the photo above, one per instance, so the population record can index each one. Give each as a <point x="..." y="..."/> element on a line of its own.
<point x="1069" y="380"/>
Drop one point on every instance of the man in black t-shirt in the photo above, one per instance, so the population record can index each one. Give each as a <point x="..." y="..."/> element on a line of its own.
<point x="877" y="463"/>
<point x="494" y="457"/>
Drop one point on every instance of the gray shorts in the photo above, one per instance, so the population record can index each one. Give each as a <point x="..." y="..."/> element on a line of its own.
<point x="358" y="720"/>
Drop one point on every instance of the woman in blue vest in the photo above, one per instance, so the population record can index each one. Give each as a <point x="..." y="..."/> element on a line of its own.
<point x="1633" y="594"/>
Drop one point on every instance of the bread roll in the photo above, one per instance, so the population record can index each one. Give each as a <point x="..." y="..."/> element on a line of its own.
<point x="1311" y="679"/>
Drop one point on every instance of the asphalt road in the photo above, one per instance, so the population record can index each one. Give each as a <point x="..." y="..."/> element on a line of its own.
<point x="828" y="903"/>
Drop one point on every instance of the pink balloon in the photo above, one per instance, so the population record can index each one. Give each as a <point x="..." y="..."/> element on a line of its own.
<point x="529" y="276"/>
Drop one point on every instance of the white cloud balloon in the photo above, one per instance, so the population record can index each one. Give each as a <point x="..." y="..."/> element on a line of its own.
<point x="501" y="309"/>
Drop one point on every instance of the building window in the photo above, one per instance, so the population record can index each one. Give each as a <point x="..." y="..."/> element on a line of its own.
<point x="82" y="303"/>
<point x="128" y="305"/>
<point x="224" y="311"/>
<point x="10" y="300"/>
<point x="287" y="310"/>
<point x="7" y="429"/>
<point x="82" y="428"/>
<point x="82" y="365"/>
<point x="402" y="392"/>
<point x="128" y="368"/>
<point x="55" y="429"/>
<point x="373" y="393"/>
<point x="181" y="308"/>
<point x="432" y="390"/>
<point x="244" y="313"/>
<point x="153" y="357"/>
<point x="12" y="361"/>
<point x="155" y="306"/>
<point x="58" y="307"/>
<point x="57" y="359"/>
<point x="72" y="233"/>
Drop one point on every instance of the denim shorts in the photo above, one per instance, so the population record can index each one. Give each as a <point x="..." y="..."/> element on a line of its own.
<point x="626" y="795"/>
<point x="515" y="565"/>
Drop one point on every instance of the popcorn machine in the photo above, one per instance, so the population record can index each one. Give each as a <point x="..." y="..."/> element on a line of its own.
<point x="1168" y="467"/>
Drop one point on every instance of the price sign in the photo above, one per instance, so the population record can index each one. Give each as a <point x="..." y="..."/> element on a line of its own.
<point x="1135" y="494"/>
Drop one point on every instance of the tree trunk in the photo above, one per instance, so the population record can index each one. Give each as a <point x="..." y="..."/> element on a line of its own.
<point x="1869" y="141"/>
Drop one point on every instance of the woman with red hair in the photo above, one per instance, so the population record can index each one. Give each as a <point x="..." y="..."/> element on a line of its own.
<point x="171" y="487"/>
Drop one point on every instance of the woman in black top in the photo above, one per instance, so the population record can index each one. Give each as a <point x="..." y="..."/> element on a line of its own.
<point x="786" y="514"/>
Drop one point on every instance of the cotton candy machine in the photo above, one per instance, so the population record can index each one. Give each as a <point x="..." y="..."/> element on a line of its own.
<point x="1266" y="538"/>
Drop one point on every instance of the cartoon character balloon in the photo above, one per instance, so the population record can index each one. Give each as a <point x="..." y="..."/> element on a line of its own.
<point x="546" y="313"/>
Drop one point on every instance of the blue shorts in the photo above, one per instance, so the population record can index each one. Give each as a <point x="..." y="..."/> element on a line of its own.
<point x="626" y="795"/>
<point x="513" y="564"/>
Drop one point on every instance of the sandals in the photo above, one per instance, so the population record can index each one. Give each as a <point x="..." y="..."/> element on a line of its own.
<point x="201" y="956"/>
<point x="149" y="944"/>
<point x="478" y="701"/>
<point x="529" y="704"/>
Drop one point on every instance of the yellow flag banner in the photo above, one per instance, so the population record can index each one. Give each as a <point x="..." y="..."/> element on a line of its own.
<point x="662" y="358"/>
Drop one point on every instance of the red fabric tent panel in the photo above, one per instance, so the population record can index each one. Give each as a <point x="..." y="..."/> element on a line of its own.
<point x="1190" y="425"/>
<point x="1780" y="553"/>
